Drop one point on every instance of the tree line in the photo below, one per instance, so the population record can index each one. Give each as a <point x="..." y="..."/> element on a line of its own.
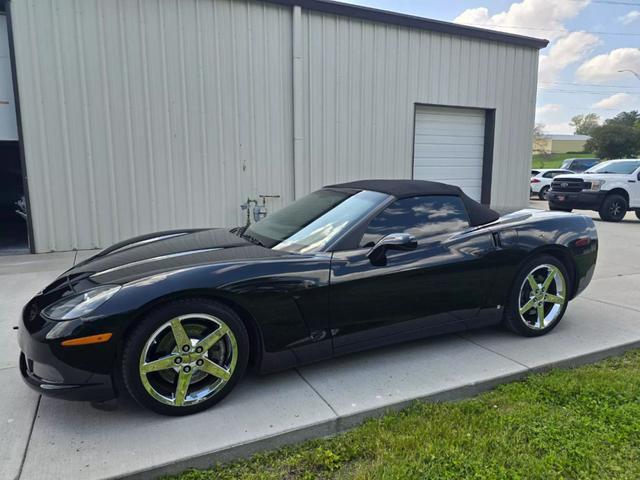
<point x="617" y="137"/>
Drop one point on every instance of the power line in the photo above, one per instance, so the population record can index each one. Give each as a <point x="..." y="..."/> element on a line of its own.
<point x="586" y="92"/>
<point x="522" y="27"/>
<point x="557" y="82"/>
<point x="613" y="2"/>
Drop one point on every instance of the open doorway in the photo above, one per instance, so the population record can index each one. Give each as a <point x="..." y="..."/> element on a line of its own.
<point x="13" y="211"/>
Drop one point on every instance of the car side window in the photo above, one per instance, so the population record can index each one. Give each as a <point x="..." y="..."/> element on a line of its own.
<point x="553" y="174"/>
<point x="421" y="217"/>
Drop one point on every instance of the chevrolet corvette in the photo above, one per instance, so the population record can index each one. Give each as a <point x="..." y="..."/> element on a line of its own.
<point x="175" y="318"/>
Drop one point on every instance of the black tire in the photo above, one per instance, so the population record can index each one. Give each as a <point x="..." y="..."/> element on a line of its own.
<point x="512" y="318"/>
<point x="555" y="208"/>
<point x="149" y="325"/>
<point x="638" y="214"/>
<point x="613" y="208"/>
<point x="542" y="194"/>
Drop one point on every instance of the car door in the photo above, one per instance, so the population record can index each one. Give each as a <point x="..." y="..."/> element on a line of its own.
<point x="634" y="189"/>
<point x="433" y="288"/>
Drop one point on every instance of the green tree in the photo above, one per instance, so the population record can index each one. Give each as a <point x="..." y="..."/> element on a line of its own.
<point x="584" y="124"/>
<point x="614" y="140"/>
<point x="628" y="119"/>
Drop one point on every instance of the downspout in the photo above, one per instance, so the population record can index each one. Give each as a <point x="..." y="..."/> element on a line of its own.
<point x="298" y="134"/>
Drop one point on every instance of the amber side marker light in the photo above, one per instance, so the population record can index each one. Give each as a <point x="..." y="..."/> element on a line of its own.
<point x="100" y="338"/>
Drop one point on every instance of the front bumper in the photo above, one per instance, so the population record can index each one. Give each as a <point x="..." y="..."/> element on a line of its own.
<point x="584" y="200"/>
<point x="95" y="388"/>
<point x="74" y="373"/>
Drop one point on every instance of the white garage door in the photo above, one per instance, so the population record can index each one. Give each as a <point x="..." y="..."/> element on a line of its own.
<point x="449" y="147"/>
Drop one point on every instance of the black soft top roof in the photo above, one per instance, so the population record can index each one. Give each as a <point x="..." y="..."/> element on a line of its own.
<point x="478" y="213"/>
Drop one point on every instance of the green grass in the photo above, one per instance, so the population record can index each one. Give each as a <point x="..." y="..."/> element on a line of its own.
<point x="556" y="159"/>
<point x="566" y="424"/>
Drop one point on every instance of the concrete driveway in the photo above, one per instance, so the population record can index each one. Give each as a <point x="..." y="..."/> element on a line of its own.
<point x="48" y="439"/>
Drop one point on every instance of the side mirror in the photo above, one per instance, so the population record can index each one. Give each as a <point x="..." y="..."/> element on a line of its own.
<point x="393" y="241"/>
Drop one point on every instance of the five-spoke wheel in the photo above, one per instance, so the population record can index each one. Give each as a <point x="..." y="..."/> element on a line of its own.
<point x="539" y="296"/>
<point x="542" y="296"/>
<point x="185" y="356"/>
<point x="188" y="359"/>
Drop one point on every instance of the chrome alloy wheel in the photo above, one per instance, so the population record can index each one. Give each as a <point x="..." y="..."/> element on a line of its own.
<point x="188" y="359"/>
<point x="542" y="296"/>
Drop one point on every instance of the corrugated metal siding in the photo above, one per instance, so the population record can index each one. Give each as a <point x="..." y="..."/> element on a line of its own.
<point x="152" y="114"/>
<point x="363" y="79"/>
<point x="8" y="125"/>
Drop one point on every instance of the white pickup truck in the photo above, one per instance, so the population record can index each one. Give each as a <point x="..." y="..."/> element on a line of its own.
<point x="610" y="188"/>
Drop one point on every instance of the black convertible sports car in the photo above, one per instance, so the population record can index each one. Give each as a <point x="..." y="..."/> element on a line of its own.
<point x="174" y="318"/>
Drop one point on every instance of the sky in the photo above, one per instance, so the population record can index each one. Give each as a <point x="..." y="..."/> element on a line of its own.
<point x="590" y="41"/>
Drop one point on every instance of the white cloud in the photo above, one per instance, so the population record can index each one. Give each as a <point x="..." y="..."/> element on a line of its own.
<point x="617" y="100"/>
<point x="559" y="128"/>
<point x="548" y="108"/>
<point x="630" y="17"/>
<point x="565" y="51"/>
<point x="543" y="17"/>
<point x="603" y="68"/>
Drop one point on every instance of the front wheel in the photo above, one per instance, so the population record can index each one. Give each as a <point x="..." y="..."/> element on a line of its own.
<point x="614" y="208"/>
<point x="538" y="298"/>
<point x="185" y="356"/>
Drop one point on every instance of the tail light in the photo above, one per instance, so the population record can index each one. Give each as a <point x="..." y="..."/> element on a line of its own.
<point x="535" y="180"/>
<point x="582" y="242"/>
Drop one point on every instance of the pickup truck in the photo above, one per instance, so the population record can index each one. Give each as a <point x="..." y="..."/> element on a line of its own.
<point x="610" y="188"/>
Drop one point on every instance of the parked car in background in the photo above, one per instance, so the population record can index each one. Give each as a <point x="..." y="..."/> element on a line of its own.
<point x="610" y="188"/>
<point x="541" y="179"/>
<point x="579" y="165"/>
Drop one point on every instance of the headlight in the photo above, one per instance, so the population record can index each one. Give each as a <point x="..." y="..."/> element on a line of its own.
<point x="79" y="305"/>
<point x="596" y="185"/>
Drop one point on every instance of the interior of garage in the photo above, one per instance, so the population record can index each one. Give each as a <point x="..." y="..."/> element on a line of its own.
<point x="13" y="214"/>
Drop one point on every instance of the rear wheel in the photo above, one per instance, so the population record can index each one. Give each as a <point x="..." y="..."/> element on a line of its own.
<point x="614" y="208"/>
<point x="542" y="194"/>
<point x="185" y="356"/>
<point x="538" y="298"/>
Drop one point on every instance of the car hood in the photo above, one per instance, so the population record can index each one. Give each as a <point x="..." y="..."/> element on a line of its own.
<point x="593" y="176"/>
<point x="164" y="251"/>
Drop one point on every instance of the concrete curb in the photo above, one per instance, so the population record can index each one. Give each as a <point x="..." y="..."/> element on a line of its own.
<point x="345" y="422"/>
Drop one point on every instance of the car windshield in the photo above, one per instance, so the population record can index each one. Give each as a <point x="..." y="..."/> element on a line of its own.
<point x="312" y="222"/>
<point x="566" y="163"/>
<point x="626" y="167"/>
<point x="534" y="173"/>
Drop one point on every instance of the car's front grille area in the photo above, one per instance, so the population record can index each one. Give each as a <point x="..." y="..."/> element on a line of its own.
<point x="569" y="185"/>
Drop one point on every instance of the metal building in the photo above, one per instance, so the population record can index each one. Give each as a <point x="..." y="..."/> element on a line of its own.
<point x="142" y="115"/>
